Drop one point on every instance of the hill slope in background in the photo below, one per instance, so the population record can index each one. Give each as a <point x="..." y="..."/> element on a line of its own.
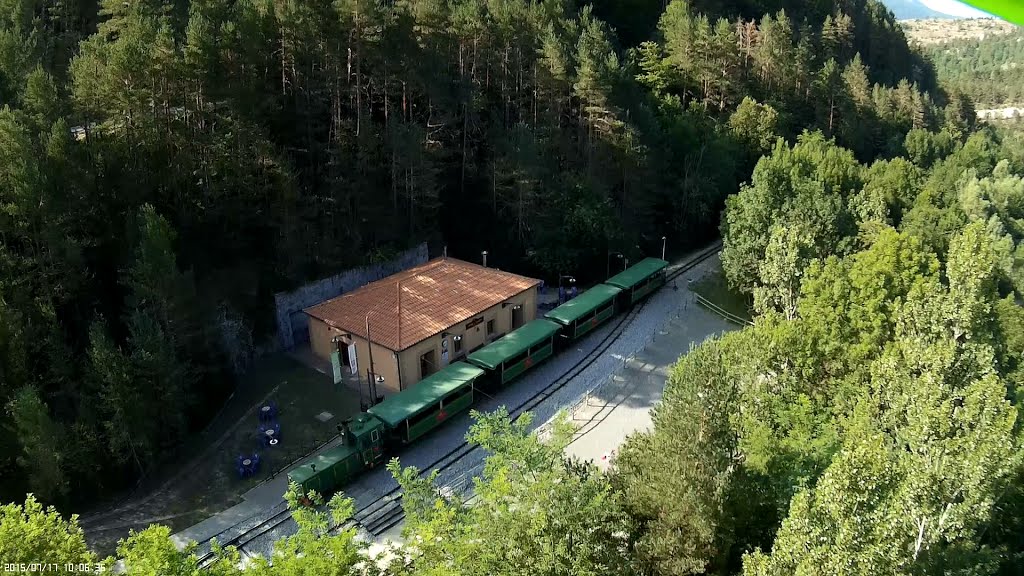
<point x="914" y="10"/>
<point x="945" y="9"/>
<point x="938" y="31"/>
<point x="987" y="69"/>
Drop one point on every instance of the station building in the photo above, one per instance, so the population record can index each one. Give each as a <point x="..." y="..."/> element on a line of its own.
<point x="411" y="324"/>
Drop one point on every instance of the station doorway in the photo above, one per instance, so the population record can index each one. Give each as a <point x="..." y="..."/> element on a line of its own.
<point x="427" y="364"/>
<point x="517" y="317"/>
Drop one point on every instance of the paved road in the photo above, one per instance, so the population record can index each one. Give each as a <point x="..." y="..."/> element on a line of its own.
<point x="622" y="406"/>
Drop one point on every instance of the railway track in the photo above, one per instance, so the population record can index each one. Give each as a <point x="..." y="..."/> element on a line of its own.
<point x="386" y="511"/>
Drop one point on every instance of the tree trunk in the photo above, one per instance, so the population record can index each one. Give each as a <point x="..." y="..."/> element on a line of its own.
<point x="359" y="84"/>
<point x="465" y="130"/>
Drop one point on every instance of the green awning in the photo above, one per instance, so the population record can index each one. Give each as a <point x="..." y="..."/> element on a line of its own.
<point x="427" y="392"/>
<point x="513" y="343"/>
<point x="583" y="304"/>
<point x="637" y="273"/>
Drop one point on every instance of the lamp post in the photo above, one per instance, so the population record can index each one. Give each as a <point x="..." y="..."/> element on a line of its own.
<point x="371" y="374"/>
<point x="608" y="263"/>
<point x="560" y="278"/>
<point x="663" y="247"/>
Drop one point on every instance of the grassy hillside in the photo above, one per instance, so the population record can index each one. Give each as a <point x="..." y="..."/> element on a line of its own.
<point x="987" y="68"/>
<point x="939" y="31"/>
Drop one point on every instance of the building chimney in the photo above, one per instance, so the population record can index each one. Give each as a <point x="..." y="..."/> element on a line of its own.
<point x="485" y="258"/>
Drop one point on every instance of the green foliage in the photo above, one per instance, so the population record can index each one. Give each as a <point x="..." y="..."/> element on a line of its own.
<point x="534" y="512"/>
<point x="755" y="125"/>
<point x="41" y="442"/>
<point x="890" y="188"/>
<point x="31" y="533"/>
<point x="806" y="187"/>
<point x="785" y="259"/>
<point x="851" y="304"/>
<point x="924" y="148"/>
<point x="690" y="455"/>
<point x="160" y="162"/>
<point x="916" y="494"/>
<point x="872" y="416"/>
<point x="983" y="69"/>
<point x="151" y="552"/>
<point x="998" y="202"/>
<point x="314" y="548"/>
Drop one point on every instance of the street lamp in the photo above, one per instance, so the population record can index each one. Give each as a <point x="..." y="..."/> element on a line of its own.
<point x="372" y="379"/>
<point x="663" y="247"/>
<point x="560" y="278"/>
<point x="608" y="263"/>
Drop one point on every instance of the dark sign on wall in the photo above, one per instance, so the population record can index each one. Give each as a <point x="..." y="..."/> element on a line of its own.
<point x="474" y="322"/>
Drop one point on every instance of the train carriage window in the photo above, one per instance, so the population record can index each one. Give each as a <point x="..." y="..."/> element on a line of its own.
<point x="374" y="436"/>
<point x="516" y="359"/>
<point x="585" y="318"/>
<point x="424" y="415"/>
<point x="455" y="396"/>
<point x="538" y="347"/>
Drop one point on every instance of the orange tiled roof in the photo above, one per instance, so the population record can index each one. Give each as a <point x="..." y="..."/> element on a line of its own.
<point x="435" y="296"/>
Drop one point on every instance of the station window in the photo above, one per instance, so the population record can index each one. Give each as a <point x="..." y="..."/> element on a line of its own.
<point x="490" y="327"/>
<point x="457" y="346"/>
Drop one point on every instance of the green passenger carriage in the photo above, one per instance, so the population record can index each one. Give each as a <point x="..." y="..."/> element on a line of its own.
<point x="517" y="351"/>
<point x="639" y="280"/>
<point x="585" y="312"/>
<point x="428" y="403"/>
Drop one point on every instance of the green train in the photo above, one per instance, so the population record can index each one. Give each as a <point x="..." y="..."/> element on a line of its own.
<point x="371" y="436"/>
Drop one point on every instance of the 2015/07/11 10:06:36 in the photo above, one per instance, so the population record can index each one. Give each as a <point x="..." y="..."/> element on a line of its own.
<point x="33" y="567"/>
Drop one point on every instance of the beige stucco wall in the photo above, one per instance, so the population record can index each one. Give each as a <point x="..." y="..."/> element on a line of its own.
<point x="385" y="362"/>
<point x="471" y="338"/>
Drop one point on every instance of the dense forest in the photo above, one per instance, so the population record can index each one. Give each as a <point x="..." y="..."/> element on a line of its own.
<point x="167" y="166"/>
<point x="989" y="70"/>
